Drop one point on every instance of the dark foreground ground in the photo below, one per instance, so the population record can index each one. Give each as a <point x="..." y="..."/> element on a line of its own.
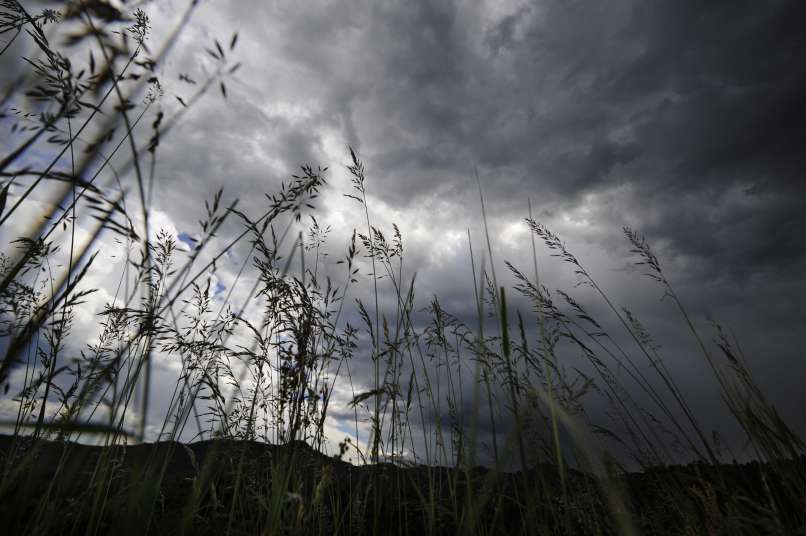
<point x="220" y="487"/>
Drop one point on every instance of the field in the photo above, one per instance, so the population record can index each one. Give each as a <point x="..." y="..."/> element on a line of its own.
<point x="467" y="427"/>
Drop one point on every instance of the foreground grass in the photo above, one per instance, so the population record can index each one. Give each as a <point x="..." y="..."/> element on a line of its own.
<point x="476" y="429"/>
<point x="242" y="487"/>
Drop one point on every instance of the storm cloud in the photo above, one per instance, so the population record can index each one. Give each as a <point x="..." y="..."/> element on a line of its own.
<point x="681" y="119"/>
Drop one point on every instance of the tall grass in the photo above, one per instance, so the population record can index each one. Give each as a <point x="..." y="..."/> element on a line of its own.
<point x="245" y="442"/>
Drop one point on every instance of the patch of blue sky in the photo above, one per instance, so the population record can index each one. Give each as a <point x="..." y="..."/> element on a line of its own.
<point x="185" y="238"/>
<point x="348" y="427"/>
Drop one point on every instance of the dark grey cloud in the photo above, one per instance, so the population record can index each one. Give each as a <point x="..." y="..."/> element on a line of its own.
<point x="678" y="118"/>
<point x="676" y="100"/>
<point x="682" y="119"/>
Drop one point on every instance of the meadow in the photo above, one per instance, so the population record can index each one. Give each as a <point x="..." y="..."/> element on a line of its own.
<point x="467" y="427"/>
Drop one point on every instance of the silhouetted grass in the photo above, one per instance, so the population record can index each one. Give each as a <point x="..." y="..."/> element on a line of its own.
<point x="257" y="376"/>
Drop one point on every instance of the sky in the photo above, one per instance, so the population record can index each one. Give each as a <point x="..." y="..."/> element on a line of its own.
<point x="680" y="119"/>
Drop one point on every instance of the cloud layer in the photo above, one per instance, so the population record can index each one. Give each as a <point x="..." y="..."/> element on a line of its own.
<point x="681" y="119"/>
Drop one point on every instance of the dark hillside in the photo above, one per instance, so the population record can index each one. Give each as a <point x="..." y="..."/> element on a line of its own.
<point x="303" y="491"/>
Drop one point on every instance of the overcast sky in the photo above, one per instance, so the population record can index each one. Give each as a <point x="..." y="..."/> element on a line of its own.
<point x="682" y="119"/>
